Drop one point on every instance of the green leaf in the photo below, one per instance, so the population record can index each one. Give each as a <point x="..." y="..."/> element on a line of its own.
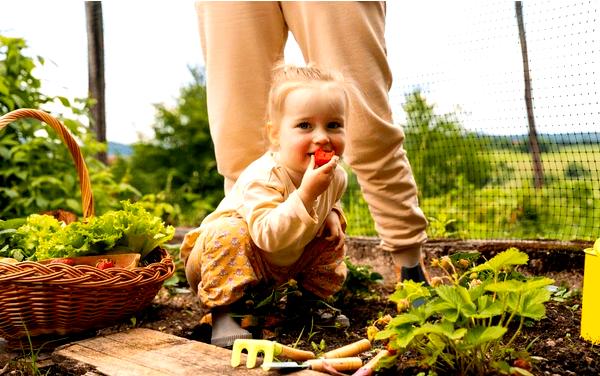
<point x="532" y="304"/>
<point x="535" y="283"/>
<point x="404" y="337"/>
<point x="12" y="224"/>
<point x="479" y="335"/>
<point x="439" y="328"/>
<point x="410" y="290"/>
<point x="266" y="301"/>
<point x="41" y="202"/>
<point x="458" y="298"/>
<point x="20" y="157"/>
<point x="486" y="307"/>
<point x="4" y="152"/>
<point x="65" y="102"/>
<point x="401" y="338"/>
<point x="506" y="286"/>
<point x="502" y="260"/>
<point x="515" y="286"/>
<point x="10" y="193"/>
<point x="447" y="329"/>
<point x="403" y="319"/>
<point x="46" y="181"/>
<point x="73" y="204"/>
<point x="3" y="88"/>
<point x="479" y="290"/>
<point x="447" y="310"/>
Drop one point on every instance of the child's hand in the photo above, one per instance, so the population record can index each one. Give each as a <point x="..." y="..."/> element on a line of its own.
<point x="316" y="180"/>
<point x="334" y="226"/>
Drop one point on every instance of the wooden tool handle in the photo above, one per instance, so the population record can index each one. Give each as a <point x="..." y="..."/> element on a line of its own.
<point x="349" y="350"/>
<point x="339" y="364"/>
<point x="369" y="368"/>
<point x="292" y="353"/>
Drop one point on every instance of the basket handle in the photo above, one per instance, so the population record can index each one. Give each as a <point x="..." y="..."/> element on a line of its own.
<point x="87" y="199"/>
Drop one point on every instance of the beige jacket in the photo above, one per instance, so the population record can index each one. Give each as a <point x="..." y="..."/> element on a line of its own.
<point x="278" y="222"/>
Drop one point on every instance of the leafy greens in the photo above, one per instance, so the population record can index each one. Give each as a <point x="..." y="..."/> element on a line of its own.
<point x="132" y="229"/>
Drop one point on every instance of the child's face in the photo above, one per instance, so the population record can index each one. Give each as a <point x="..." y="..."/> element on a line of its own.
<point x="313" y="117"/>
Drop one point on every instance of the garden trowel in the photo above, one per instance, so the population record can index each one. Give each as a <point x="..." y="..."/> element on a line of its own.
<point x="322" y="365"/>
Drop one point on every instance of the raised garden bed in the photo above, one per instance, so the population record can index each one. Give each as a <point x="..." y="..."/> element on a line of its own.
<point x="554" y="341"/>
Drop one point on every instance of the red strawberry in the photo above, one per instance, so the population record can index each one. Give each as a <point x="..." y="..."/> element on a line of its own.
<point x="67" y="261"/>
<point x="105" y="264"/>
<point x="322" y="157"/>
<point x="522" y="363"/>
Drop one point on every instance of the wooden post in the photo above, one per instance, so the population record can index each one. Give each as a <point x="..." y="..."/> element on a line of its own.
<point x="96" y="82"/>
<point x="534" y="147"/>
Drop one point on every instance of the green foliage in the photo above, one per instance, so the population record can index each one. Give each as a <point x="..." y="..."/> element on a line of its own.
<point x="576" y="170"/>
<point x="356" y="210"/>
<point x="36" y="170"/>
<point x="157" y="205"/>
<point x="179" y="163"/>
<point x="467" y="313"/>
<point x="443" y="155"/>
<point x="545" y="145"/>
<point x="359" y="282"/>
<point x="443" y="227"/>
<point x="272" y="305"/>
<point x="18" y="86"/>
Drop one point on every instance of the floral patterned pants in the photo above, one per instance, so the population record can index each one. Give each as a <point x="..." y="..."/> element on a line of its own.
<point x="221" y="261"/>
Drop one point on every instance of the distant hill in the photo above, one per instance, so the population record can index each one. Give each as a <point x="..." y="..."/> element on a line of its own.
<point x="115" y="148"/>
<point x="565" y="138"/>
<point x="559" y="139"/>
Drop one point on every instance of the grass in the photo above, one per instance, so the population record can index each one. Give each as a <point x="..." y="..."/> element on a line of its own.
<point x="509" y="207"/>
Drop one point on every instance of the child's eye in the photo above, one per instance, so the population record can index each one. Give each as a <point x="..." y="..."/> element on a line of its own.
<point x="334" y="125"/>
<point x="303" y="125"/>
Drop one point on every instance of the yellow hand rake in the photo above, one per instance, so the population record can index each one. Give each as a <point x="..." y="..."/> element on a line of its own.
<point x="270" y="349"/>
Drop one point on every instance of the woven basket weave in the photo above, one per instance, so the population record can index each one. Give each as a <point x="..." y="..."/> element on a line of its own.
<point x="58" y="299"/>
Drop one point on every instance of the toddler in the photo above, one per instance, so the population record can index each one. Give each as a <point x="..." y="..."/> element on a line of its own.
<point x="282" y="218"/>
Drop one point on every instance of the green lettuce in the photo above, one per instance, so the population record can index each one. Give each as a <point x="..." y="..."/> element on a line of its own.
<point x="131" y="229"/>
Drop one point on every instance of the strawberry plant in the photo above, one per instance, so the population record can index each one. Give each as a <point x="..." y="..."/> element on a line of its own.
<point x="471" y="317"/>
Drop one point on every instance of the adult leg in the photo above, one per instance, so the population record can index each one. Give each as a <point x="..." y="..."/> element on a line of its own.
<point x="349" y="36"/>
<point x="240" y="41"/>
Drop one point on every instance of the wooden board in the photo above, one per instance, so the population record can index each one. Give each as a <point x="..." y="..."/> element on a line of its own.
<point x="145" y="352"/>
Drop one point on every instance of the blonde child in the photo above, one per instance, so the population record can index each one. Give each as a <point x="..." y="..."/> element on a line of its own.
<point x="282" y="218"/>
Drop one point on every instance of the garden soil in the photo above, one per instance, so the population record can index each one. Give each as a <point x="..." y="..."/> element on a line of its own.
<point x="553" y="342"/>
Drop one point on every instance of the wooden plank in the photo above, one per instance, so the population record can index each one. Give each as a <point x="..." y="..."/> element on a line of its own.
<point x="145" y="352"/>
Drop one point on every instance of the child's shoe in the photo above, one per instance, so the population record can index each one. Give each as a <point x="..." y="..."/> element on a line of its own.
<point x="225" y="330"/>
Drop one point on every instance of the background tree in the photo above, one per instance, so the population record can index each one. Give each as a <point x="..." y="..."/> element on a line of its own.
<point x="96" y="81"/>
<point x="36" y="169"/>
<point x="536" y="160"/>
<point x="179" y="163"/>
<point x="443" y="155"/>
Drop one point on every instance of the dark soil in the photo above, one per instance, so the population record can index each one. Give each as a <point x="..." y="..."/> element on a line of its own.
<point x="553" y="342"/>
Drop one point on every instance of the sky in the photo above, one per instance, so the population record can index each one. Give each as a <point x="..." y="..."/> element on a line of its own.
<point x="464" y="56"/>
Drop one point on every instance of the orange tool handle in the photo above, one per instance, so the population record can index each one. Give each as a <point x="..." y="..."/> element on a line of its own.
<point x="368" y="368"/>
<point x="292" y="353"/>
<point x="352" y="349"/>
<point x="339" y="364"/>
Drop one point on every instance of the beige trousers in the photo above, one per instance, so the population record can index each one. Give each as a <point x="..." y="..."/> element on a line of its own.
<point x="241" y="42"/>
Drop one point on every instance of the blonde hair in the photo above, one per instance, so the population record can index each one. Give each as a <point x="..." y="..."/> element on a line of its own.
<point x="287" y="78"/>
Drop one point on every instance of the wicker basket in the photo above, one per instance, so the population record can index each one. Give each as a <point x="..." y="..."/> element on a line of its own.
<point x="58" y="299"/>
